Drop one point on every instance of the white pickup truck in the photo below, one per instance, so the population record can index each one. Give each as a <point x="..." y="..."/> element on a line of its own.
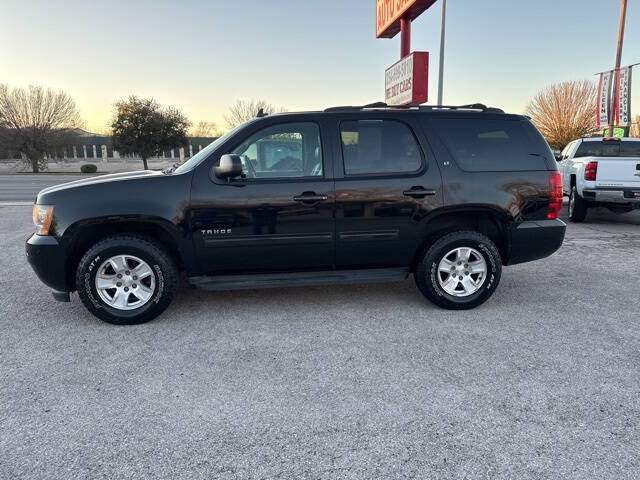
<point x="601" y="172"/>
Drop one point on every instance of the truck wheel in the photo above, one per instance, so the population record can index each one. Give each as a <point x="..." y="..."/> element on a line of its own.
<point x="577" y="207"/>
<point x="459" y="271"/>
<point x="126" y="279"/>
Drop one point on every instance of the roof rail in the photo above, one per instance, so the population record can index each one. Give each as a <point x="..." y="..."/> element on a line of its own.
<point x="359" y="107"/>
<point x="382" y="105"/>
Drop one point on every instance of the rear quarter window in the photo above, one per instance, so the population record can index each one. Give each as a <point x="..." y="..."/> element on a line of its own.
<point x="492" y="145"/>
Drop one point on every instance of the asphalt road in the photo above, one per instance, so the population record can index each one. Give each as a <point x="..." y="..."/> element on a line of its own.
<point x="352" y="382"/>
<point x="26" y="187"/>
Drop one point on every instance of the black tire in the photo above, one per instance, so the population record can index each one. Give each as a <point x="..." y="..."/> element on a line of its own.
<point x="577" y="207"/>
<point x="162" y="265"/>
<point x="427" y="270"/>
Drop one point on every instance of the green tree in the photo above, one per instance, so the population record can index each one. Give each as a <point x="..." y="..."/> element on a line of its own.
<point x="142" y="127"/>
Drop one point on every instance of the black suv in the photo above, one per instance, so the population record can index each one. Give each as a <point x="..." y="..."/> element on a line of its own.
<point x="350" y="194"/>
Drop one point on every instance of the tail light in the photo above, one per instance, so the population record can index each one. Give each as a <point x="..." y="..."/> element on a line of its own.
<point x="591" y="171"/>
<point x="555" y="195"/>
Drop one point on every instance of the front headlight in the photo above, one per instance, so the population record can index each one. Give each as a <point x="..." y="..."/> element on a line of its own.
<point x="42" y="215"/>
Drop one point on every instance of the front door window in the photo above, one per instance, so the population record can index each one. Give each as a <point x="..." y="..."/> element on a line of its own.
<point x="290" y="150"/>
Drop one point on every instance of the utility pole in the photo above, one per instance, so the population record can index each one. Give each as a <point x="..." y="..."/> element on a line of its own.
<point x="616" y="81"/>
<point x="441" y="71"/>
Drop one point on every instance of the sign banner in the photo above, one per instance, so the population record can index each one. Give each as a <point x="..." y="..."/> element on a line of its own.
<point x="604" y="95"/>
<point x="389" y="13"/>
<point x="406" y="82"/>
<point x="623" y="118"/>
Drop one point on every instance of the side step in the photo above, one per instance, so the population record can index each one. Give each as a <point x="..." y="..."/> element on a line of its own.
<point x="298" y="279"/>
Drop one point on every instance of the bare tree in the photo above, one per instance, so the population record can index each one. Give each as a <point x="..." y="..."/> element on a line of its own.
<point x="205" y="129"/>
<point x="35" y="121"/>
<point x="565" y="111"/>
<point x="634" y="131"/>
<point x="244" y="110"/>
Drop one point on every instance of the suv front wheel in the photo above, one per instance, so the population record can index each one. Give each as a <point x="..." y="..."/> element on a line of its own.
<point x="126" y="279"/>
<point x="459" y="271"/>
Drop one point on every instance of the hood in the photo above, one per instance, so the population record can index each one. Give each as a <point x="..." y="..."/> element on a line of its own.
<point x="100" y="179"/>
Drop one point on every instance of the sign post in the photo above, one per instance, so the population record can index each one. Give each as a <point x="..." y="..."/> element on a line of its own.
<point x="623" y="16"/>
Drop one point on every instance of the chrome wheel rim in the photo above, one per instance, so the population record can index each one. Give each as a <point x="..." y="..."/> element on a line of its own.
<point x="462" y="271"/>
<point x="125" y="282"/>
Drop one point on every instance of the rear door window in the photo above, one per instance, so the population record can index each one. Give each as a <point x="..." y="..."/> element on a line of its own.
<point x="378" y="147"/>
<point x="491" y="145"/>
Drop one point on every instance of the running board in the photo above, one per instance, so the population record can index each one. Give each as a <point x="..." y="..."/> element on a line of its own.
<point x="301" y="279"/>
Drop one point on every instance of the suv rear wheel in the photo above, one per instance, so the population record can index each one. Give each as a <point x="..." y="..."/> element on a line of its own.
<point x="126" y="279"/>
<point x="459" y="271"/>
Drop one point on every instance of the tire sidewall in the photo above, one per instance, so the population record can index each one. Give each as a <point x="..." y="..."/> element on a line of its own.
<point x="86" y="275"/>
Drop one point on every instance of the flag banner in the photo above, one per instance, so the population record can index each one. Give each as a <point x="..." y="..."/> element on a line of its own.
<point x="624" y="98"/>
<point x="604" y="96"/>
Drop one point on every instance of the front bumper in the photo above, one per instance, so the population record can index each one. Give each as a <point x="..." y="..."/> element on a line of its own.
<point x="49" y="260"/>
<point x="535" y="239"/>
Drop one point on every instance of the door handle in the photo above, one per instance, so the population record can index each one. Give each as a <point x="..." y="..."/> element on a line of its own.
<point x="310" y="197"/>
<point x="418" y="192"/>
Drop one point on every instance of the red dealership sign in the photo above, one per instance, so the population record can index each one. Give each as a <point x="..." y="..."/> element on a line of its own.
<point x="389" y="13"/>
<point x="406" y="81"/>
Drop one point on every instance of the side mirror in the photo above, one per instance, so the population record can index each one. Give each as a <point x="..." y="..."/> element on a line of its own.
<point x="558" y="158"/>
<point x="230" y="167"/>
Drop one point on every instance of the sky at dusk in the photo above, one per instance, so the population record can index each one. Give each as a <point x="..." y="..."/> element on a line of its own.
<point x="300" y="54"/>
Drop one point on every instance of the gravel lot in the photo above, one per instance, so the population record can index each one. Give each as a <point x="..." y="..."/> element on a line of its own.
<point x="357" y="382"/>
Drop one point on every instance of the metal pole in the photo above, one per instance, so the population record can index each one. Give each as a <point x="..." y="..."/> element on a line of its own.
<point x="441" y="70"/>
<point x="405" y="37"/>
<point x="616" y="81"/>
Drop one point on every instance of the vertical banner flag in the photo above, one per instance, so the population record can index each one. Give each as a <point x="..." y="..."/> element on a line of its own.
<point x="623" y="113"/>
<point x="604" y="94"/>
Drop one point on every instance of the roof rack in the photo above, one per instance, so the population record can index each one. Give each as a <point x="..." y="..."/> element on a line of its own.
<point x="382" y="105"/>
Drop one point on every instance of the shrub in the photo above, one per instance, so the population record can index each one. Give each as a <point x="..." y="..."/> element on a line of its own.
<point x="88" y="168"/>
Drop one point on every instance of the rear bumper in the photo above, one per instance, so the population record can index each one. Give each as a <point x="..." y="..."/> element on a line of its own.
<point x="623" y="196"/>
<point x="535" y="239"/>
<point x="48" y="259"/>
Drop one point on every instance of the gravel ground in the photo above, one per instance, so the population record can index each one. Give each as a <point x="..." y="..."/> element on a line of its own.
<point x="371" y="381"/>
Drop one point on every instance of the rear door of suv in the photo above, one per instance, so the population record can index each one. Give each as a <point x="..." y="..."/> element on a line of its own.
<point x="386" y="182"/>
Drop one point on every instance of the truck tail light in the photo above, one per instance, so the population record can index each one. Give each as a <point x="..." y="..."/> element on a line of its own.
<point x="591" y="171"/>
<point x="555" y="195"/>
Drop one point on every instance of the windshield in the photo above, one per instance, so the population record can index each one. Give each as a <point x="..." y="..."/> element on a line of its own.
<point x="204" y="153"/>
